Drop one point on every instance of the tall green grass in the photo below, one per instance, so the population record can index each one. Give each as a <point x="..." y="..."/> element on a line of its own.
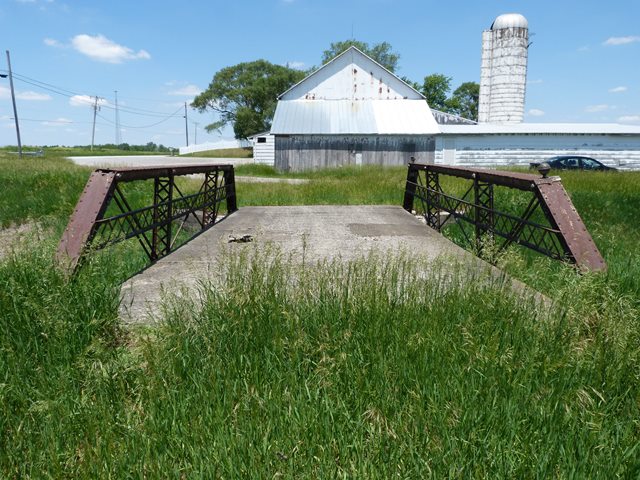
<point x="367" y="369"/>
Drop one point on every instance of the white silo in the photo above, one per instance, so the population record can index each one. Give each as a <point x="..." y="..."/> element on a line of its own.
<point x="503" y="75"/>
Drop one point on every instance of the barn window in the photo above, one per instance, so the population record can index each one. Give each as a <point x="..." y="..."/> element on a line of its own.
<point x="262" y="139"/>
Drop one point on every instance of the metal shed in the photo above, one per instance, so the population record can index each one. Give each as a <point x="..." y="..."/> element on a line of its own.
<point x="263" y="148"/>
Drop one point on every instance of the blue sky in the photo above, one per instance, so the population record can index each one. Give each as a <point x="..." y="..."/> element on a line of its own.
<point x="584" y="62"/>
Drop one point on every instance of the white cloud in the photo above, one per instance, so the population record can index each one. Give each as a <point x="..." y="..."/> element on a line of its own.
<point x="584" y="48"/>
<point x="536" y="112"/>
<point x="535" y="82"/>
<point x="28" y="95"/>
<point x="629" y="119"/>
<point x="101" y="49"/>
<point x="618" y="89"/>
<point x="188" y="91"/>
<point x="622" y="40"/>
<point x="85" y="100"/>
<point x="597" y="108"/>
<point x="296" y="65"/>
<point x="33" y="96"/>
<point x="57" y="122"/>
<point x="52" y="42"/>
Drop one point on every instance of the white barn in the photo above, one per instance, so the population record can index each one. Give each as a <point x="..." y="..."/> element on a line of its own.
<point x="519" y="144"/>
<point x="352" y="111"/>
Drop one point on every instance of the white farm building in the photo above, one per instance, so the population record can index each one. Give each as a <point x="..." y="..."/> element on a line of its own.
<point x="352" y="111"/>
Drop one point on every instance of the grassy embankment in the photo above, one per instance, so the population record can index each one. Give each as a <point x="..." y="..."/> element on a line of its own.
<point x="345" y="375"/>
<point x="223" y="153"/>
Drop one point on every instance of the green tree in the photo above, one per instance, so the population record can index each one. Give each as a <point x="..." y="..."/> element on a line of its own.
<point x="464" y="100"/>
<point x="245" y="95"/>
<point x="380" y="52"/>
<point x="436" y="89"/>
<point x="411" y="83"/>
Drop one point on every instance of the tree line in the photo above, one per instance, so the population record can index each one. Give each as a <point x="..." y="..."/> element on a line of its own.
<point x="245" y="95"/>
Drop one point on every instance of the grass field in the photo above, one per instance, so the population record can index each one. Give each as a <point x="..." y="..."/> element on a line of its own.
<point x="223" y="153"/>
<point x="361" y="370"/>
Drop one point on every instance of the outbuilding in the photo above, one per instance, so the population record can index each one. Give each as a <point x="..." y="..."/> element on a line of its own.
<point x="352" y="111"/>
<point x="263" y="144"/>
<point x="490" y="145"/>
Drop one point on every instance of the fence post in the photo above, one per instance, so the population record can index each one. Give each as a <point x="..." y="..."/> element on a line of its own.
<point x="230" y="189"/>
<point x="410" y="187"/>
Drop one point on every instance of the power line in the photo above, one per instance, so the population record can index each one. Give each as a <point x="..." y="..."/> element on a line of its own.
<point x="69" y="94"/>
<point x="173" y="115"/>
<point x="61" y="122"/>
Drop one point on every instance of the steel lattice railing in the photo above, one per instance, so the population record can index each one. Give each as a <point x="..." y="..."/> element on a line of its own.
<point x="560" y="234"/>
<point x="153" y="225"/>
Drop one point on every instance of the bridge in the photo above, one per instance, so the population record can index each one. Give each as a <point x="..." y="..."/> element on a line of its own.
<point x="185" y="235"/>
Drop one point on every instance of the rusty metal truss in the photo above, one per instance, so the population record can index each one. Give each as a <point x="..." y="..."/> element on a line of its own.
<point x="104" y="216"/>
<point x="548" y="224"/>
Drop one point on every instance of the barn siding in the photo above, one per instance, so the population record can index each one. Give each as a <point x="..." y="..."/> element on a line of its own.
<point x="620" y="151"/>
<point x="310" y="152"/>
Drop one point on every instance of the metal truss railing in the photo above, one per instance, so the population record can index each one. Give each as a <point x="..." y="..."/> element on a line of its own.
<point x="104" y="216"/>
<point x="557" y="231"/>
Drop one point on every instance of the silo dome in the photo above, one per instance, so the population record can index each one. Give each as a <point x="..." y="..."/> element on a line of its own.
<point x="509" y="20"/>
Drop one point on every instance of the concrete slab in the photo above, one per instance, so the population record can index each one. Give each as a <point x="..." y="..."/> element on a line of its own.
<point x="325" y="232"/>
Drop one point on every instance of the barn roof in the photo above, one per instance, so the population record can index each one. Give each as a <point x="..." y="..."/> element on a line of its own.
<point x="398" y="117"/>
<point x="353" y="94"/>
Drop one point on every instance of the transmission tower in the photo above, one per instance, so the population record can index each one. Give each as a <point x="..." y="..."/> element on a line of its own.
<point x="118" y="137"/>
<point x="95" y="107"/>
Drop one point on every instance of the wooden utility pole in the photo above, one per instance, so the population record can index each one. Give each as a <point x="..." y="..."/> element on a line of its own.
<point x="15" y="110"/>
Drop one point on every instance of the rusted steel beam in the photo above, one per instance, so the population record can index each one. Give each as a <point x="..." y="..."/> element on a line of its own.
<point x="578" y="242"/>
<point x="565" y="237"/>
<point x="128" y="174"/>
<point x="521" y="181"/>
<point x="90" y="208"/>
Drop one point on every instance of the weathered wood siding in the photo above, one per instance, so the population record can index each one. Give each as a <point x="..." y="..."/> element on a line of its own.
<point x="310" y="152"/>
<point x="620" y="151"/>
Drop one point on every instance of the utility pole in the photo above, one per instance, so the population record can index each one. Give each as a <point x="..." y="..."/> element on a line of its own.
<point x="95" y="112"/>
<point x="195" y="133"/>
<point x="186" y="123"/>
<point x="15" y="110"/>
<point x="118" y="139"/>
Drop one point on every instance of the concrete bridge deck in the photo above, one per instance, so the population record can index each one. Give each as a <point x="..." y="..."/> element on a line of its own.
<point x="327" y="232"/>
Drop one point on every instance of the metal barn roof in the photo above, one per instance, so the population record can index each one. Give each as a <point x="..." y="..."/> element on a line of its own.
<point x="335" y="117"/>
<point x="353" y="94"/>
